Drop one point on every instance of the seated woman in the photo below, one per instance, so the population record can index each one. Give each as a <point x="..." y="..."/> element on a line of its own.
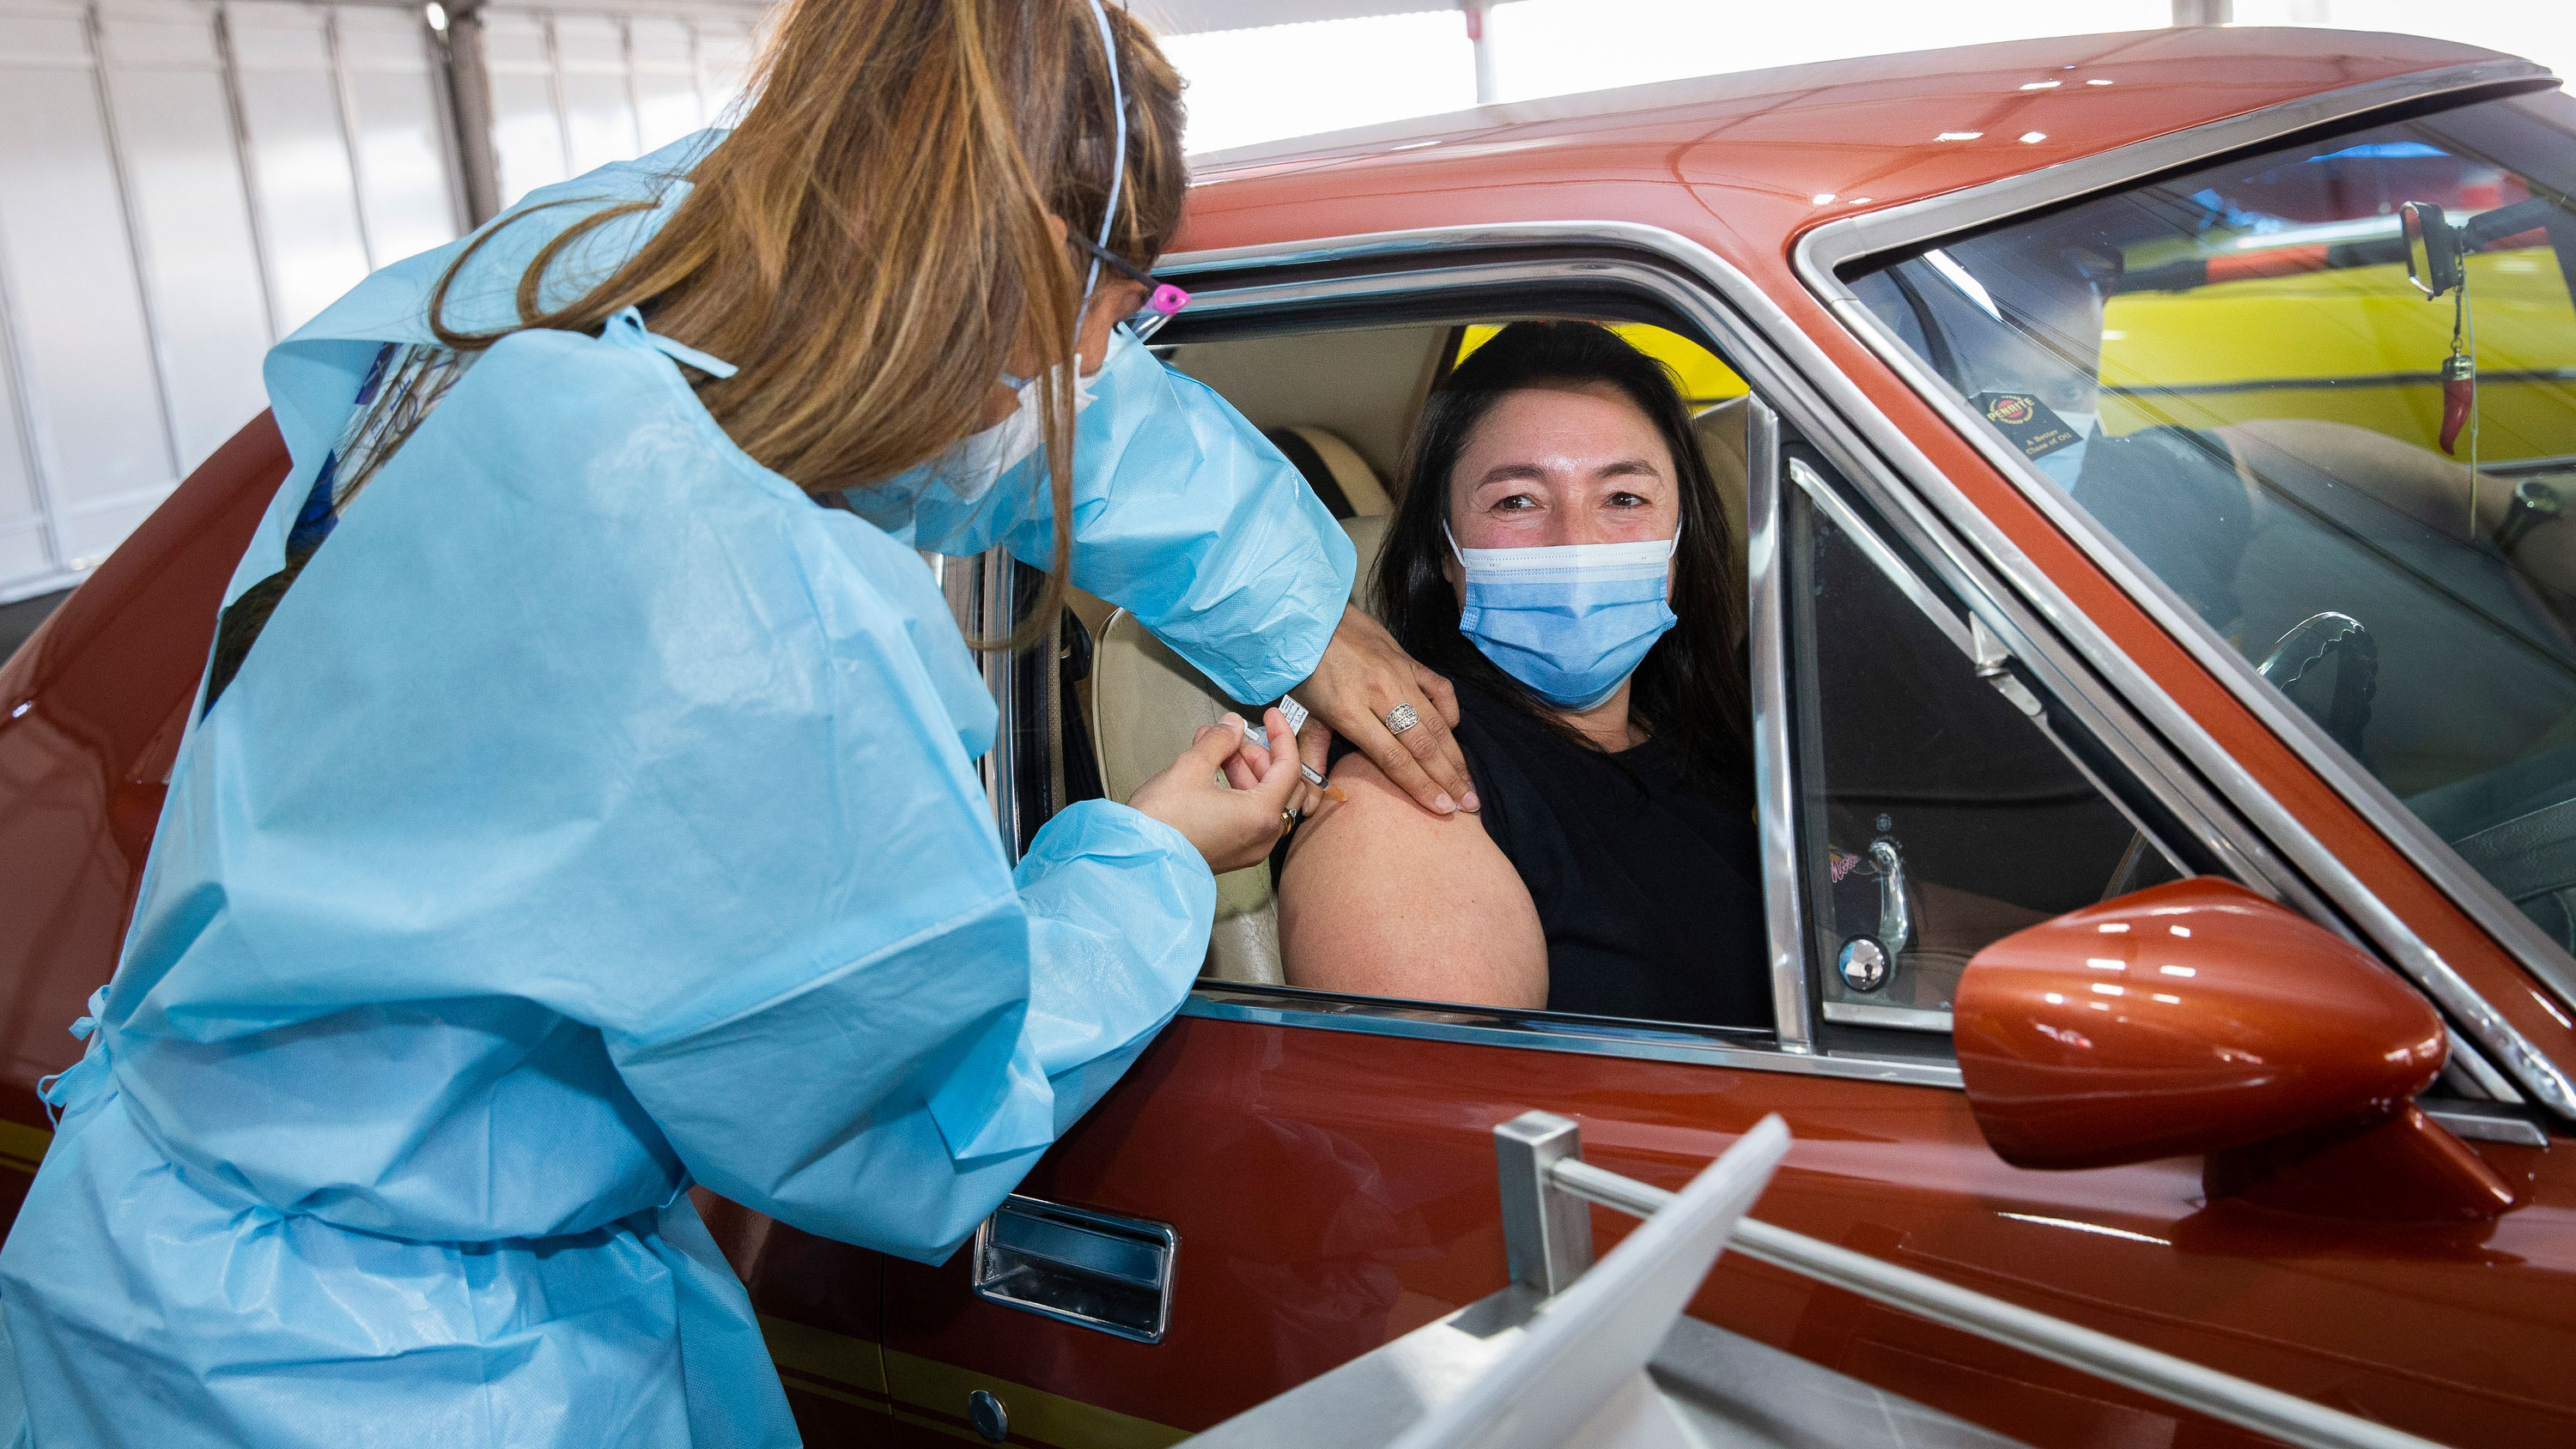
<point x="1554" y="484"/>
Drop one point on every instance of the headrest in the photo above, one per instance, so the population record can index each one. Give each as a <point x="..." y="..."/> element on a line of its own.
<point x="1333" y="468"/>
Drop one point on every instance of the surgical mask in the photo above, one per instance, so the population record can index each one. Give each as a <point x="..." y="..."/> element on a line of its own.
<point x="982" y="459"/>
<point x="1570" y="621"/>
<point x="963" y="475"/>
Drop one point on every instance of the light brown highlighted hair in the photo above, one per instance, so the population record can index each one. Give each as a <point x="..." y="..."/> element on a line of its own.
<point x="871" y="245"/>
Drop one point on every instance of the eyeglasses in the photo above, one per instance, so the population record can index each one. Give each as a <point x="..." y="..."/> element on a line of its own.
<point x="1163" y="301"/>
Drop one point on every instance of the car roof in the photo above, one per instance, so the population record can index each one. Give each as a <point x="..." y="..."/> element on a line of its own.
<point x="1744" y="162"/>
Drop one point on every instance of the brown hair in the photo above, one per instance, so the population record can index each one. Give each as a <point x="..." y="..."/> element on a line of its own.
<point x="871" y="245"/>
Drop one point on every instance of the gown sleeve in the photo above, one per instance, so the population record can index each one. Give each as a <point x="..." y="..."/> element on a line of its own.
<point x="853" y="1108"/>
<point x="1184" y="515"/>
<point x="891" y="1094"/>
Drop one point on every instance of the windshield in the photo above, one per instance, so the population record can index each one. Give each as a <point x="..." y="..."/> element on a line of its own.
<point x="2328" y="395"/>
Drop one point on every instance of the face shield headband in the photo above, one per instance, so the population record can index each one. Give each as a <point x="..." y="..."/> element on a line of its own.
<point x="1162" y="299"/>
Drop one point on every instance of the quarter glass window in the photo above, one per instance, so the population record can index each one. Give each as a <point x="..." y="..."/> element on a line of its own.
<point x="1937" y="815"/>
<point x="2328" y="395"/>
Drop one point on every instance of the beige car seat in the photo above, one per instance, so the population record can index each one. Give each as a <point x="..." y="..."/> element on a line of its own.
<point x="1723" y="443"/>
<point x="1332" y="467"/>
<point x="1146" y="703"/>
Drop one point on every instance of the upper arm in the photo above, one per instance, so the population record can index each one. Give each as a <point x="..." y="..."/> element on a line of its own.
<point x="1383" y="898"/>
<point x="2423" y="485"/>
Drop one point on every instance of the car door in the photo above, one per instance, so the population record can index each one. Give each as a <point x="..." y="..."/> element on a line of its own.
<point x="1312" y="1175"/>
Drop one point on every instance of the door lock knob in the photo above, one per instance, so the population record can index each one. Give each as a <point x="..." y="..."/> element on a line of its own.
<point x="986" y="1414"/>
<point x="1863" y="964"/>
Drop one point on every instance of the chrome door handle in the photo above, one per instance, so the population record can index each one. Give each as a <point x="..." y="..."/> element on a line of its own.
<point x="1895" y="902"/>
<point x="1096" y="1270"/>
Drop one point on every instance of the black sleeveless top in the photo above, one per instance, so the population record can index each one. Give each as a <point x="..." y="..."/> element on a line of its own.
<point x="1649" y="888"/>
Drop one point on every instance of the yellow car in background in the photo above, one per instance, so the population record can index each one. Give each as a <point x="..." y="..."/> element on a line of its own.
<point x="1704" y="381"/>
<point x="2348" y="344"/>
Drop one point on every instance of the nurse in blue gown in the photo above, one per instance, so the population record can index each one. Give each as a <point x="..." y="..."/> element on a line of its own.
<point x="575" y="811"/>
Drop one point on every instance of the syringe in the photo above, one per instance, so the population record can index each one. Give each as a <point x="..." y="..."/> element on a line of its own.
<point x="1295" y="714"/>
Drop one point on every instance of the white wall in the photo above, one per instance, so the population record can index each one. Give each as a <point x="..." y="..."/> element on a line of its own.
<point x="1550" y="47"/>
<point x="182" y="182"/>
<point x="1253" y="85"/>
<point x="2541" y="30"/>
<point x="572" y="90"/>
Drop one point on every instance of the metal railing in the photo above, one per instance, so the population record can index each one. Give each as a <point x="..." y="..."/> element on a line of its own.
<point x="1547" y="1235"/>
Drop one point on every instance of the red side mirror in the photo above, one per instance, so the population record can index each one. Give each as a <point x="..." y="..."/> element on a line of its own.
<point x="2198" y="1017"/>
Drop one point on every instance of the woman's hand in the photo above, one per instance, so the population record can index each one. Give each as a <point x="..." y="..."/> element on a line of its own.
<point x="1232" y="827"/>
<point x="1364" y="676"/>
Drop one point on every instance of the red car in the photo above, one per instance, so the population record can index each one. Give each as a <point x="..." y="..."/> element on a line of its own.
<point x="2150" y="450"/>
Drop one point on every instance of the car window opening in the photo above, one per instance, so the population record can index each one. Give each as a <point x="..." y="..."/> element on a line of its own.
<point x="1605" y="886"/>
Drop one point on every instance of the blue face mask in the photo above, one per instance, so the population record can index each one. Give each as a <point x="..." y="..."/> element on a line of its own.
<point x="1571" y="621"/>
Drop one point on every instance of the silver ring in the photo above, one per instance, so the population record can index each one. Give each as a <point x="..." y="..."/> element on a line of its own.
<point x="1401" y="718"/>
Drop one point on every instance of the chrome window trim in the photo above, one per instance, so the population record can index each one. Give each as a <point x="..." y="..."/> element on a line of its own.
<point x="1286" y="1006"/>
<point x="1776" y="821"/>
<point x="1894" y="228"/>
<point x="1822" y="251"/>
<point x="1895" y="1018"/>
<point x="2205" y="788"/>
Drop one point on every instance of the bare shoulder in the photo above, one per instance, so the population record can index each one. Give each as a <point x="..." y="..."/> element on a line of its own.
<point x="1381" y="897"/>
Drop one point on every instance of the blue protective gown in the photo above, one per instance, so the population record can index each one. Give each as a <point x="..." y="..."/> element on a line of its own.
<point x="596" y="816"/>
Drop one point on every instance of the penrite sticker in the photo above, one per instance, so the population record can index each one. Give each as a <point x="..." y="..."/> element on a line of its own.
<point x="2026" y="420"/>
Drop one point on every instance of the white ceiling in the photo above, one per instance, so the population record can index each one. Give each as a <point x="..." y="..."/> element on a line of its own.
<point x="1191" y="17"/>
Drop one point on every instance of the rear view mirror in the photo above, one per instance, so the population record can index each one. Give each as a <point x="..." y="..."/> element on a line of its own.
<point x="2432" y="248"/>
<point x="2198" y="1017"/>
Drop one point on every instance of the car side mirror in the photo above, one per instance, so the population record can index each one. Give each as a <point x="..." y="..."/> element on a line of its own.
<point x="2432" y="248"/>
<point x="2198" y="1017"/>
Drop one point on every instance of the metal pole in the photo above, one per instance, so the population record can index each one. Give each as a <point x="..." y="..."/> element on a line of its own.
<point x="2204" y="12"/>
<point x="1547" y="1234"/>
<point x="344" y="104"/>
<point x="995" y="618"/>
<point x="246" y="156"/>
<point x="442" y="92"/>
<point x="469" y="95"/>
<point x="2286" y="1417"/>
<point x="1486" y="91"/>
<point x="130" y="213"/>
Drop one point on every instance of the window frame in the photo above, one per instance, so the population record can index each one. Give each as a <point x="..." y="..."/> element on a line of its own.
<point x="1283" y="285"/>
<point x="2336" y="897"/>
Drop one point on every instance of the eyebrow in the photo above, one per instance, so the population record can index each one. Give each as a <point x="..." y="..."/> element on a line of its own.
<point x="1624" y="468"/>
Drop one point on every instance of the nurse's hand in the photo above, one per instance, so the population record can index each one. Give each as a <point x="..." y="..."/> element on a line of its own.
<point x="1233" y="828"/>
<point x="1364" y="676"/>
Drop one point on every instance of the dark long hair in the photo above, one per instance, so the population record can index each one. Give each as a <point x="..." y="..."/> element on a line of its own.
<point x="1690" y="691"/>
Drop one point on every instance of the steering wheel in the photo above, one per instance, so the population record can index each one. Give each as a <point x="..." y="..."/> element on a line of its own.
<point x="2307" y="645"/>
